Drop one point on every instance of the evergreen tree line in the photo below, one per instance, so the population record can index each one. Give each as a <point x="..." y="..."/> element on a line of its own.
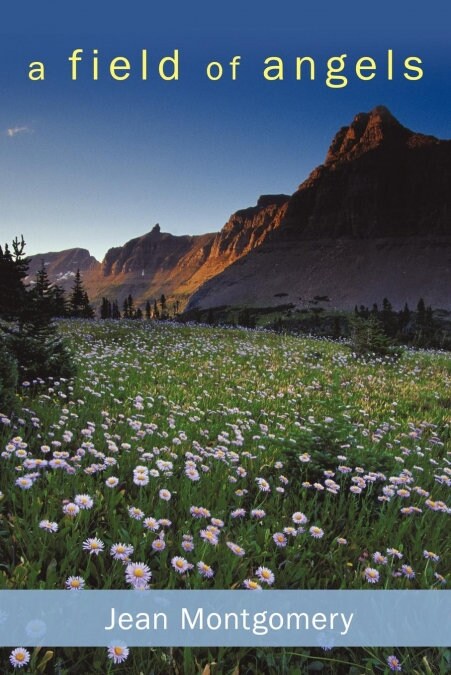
<point x="417" y="328"/>
<point x="154" y="310"/>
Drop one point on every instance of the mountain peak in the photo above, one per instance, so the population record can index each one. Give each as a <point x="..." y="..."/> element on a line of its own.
<point x="366" y="132"/>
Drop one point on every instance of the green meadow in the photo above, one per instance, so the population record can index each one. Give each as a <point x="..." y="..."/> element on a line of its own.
<point x="190" y="457"/>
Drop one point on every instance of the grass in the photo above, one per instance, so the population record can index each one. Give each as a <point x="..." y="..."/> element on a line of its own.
<point x="230" y="407"/>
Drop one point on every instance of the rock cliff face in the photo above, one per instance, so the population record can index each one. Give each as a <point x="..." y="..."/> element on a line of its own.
<point x="373" y="220"/>
<point x="159" y="262"/>
<point x="379" y="180"/>
<point x="246" y="230"/>
<point x="150" y="265"/>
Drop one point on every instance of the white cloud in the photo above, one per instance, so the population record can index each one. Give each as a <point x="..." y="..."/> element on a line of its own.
<point x="13" y="131"/>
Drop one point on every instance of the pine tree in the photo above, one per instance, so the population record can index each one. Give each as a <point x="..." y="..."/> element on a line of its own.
<point x="131" y="307"/>
<point x="388" y="318"/>
<point x="77" y="297"/>
<point x="421" y="312"/>
<point x="59" y="301"/>
<point x="148" y="310"/>
<point x="51" y="297"/>
<point x="13" y="270"/>
<point x="115" y="313"/>
<point x="125" y="312"/>
<point x="106" y="309"/>
<point x="163" y="306"/>
<point x="404" y="317"/>
<point x="368" y="337"/>
<point x="88" y="311"/>
<point x="79" y="306"/>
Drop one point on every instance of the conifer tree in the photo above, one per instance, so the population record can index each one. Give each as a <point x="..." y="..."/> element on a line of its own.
<point x="106" y="309"/>
<point x="115" y="313"/>
<point x="51" y="297"/>
<point x="30" y="337"/>
<point x="13" y="270"/>
<point x="163" y="306"/>
<point x="79" y="306"/>
<point x="131" y="307"/>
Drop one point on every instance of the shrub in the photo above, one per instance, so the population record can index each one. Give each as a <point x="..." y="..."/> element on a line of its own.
<point x="40" y="356"/>
<point x="368" y="337"/>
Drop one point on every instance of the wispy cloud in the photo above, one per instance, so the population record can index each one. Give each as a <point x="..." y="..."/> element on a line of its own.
<point x="13" y="131"/>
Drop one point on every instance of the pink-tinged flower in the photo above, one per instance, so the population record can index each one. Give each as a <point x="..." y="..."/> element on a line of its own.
<point x="135" y="513"/>
<point x="118" y="652"/>
<point x="265" y="575"/>
<point x="180" y="564"/>
<point x="279" y="539"/>
<point x="403" y="492"/>
<point x="112" y="481"/>
<point x="75" y="583"/>
<point x="408" y="572"/>
<point x="429" y="555"/>
<point x="151" y="524"/>
<point x="291" y="531"/>
<point x="217" y="522"/>
<point x="393" y="663"/>
<point x="258" y="514"/>
<point x="71" y="509"/>
<point x="158" y="544"/>
<point x="138" y="575"/>
<point x="141" y="479"/>
<point x="299" y="518"/>
<point x="341" y="541"/>
<point x="209" y="536"/>
<point x="192" y="473"/>
<point x="238" y="513"/>
<point x="237" y="550"/>
<point x="165" y="522"/>
<point x="165" y="495"/>
<point x="121" y="551"/>
<point x="24" y="483"/>
<point x="263" y="485"/>
<point x="95" y="546"/>
<point x="394" y="553"/>
<point x="84" y="501"/>
<point x="204" y="570"/>
<point x="188" y="546"/>
<point x="19" y="657"/>
<point x="251" y="585"/>
<point x="316" y="532"/>
<point x="371" y="575"/>
<point x="199" y="512"/>
<point x="48" y="526"/>
<point x="379" y="559"/>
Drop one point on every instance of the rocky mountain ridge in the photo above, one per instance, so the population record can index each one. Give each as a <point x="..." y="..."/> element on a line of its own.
<point x="374" y="220"/>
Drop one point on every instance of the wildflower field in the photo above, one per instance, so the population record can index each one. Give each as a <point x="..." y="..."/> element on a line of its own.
<point x="209" y="458"/>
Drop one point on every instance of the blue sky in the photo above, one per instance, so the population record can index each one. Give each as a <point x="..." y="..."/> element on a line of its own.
<point x="93" y="164"/>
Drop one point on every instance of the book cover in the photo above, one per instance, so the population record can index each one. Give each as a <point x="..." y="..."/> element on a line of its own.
<point x="225" y="333"/>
